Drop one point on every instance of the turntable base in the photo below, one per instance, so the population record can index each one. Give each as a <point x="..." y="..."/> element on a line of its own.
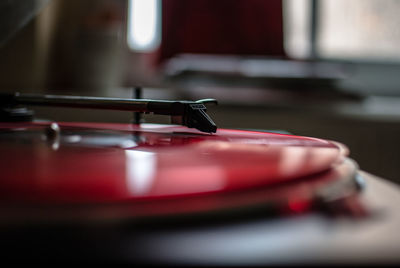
<point x="311" y="238"/>
<point x="302" y="239"/>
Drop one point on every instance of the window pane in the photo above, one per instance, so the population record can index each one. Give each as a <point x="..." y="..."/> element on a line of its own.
<point x="359" y="29"/>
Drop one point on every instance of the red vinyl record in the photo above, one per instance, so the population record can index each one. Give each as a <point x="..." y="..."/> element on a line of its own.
<point x="113" y="171"/>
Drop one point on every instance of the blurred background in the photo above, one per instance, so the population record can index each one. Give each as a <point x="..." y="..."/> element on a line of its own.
<point x="323" y="68"/>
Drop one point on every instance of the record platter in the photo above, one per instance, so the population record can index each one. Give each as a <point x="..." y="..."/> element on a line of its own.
<point x="186" y="193"/>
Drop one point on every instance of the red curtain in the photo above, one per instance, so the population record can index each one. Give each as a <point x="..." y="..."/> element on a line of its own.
<point x="237" y="27"/>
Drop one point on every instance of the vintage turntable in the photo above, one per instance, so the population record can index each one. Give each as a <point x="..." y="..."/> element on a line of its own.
<point x="192" y="194"/>
<point x="182" y="194"/>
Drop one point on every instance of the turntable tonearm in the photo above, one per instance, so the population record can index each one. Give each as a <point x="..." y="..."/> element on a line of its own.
<point x="188" y="113"/>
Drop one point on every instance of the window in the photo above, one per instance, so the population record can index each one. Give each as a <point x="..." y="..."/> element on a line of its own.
<point x="357" y="29"/>
<point x="144" y="19"/>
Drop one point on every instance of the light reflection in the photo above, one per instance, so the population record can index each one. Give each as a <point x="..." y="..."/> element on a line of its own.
<point x="73" y="138"/>
<point x="221" y="146"/>
<point x="128" y="144"/>
<point x="140" y="171"/>
<point x="293" y="159"/>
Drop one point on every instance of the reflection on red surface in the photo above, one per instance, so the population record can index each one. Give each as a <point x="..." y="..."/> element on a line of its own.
<point x="299" y="206"/>
<point x="160" y="161"/>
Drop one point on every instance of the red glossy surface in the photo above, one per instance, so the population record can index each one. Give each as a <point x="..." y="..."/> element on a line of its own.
<point x="119" y="162"/>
